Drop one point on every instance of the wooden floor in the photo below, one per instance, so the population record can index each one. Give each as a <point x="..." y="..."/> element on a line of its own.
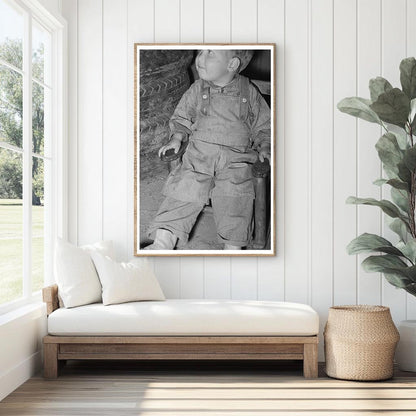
<point x="191" y="389"/>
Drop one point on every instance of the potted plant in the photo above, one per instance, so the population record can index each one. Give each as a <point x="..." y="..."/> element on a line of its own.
<point x="394" y="109"/>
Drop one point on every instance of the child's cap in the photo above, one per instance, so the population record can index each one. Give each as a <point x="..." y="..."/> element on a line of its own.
<point x="244" y="55"/>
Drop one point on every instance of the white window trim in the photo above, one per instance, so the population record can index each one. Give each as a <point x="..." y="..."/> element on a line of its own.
<point x="57" y="25"/>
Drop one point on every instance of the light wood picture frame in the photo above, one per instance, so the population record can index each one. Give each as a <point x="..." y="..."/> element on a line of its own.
<point x="211" y="191"/>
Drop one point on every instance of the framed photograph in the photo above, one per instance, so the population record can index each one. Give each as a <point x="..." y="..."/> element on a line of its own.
<point x="204" y="163"/>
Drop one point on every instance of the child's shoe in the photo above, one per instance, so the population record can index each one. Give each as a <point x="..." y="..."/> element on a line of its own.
<point x="164" y="240"/>
<point x="231" y="247"/>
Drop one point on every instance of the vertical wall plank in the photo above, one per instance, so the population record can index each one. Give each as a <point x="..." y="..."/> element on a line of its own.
<point x="271" y="270"/>
<point x="140" y="30"/>
<point x="217" y="29"/>
<point x="296" y="152"/>
<point x="167" y="14"/>
<point x="192" y="30"/>
<point x="411" y="28"/>
<point x="394" y="38"/>
<point x="393" y="51"/>
<point x="217" y="25"/>
<point x="140" y="26"/>
<point x="244" y="278"/>
<point x="217" y="278"/>
<point x="369" y="167"/>
<point x="168" y="274"/>
<point x="115" y="53"/>
<point x="321" y="169"/>
<point x="192" y="21"/>
<point x="244" y="29"/>
<point x="192" y="277"/>
<point x="244" y="21"/>
<point x="90" y="129"/>
<point x="411" y="51"/>
<point x="70" y="12"/>
<point x="345" y="151"/>
<point x="167" y="29"/>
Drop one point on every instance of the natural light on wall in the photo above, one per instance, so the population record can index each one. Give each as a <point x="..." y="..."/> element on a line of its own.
<point x="25" y="152"/>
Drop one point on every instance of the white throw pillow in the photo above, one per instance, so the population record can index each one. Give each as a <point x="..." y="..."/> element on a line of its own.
<point x="126" y="282"/>
<point x="104" y="247"/>
<point x="75" y="273"/>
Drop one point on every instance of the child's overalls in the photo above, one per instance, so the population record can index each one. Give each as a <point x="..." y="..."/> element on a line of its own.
<point x="216" y="165"/>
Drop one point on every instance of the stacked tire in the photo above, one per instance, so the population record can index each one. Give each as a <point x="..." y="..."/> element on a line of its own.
<point x="164" y="78"/>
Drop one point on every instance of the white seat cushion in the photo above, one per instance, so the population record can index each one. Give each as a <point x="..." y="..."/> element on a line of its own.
<point x="187" y="317"/>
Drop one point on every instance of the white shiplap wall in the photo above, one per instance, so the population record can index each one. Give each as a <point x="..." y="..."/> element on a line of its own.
<point x="326" y="50"/>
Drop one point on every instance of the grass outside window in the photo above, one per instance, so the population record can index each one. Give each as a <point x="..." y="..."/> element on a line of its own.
<point x="11" y="249"/>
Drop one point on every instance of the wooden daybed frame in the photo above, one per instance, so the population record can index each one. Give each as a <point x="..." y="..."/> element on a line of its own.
<point x="58" y="349"/>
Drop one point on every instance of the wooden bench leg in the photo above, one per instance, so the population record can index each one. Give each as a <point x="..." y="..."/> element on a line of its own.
<point x="310" y="360"/>
<point x="50" y="360"/>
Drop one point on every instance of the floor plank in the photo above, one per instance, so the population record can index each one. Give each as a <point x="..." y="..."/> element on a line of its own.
<point x="206" y="388"/>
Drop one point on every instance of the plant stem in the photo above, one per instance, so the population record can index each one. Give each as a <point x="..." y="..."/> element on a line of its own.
<point x="412" y="195"/>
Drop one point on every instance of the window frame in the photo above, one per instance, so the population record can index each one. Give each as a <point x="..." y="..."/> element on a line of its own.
<point x="58" y="180"/>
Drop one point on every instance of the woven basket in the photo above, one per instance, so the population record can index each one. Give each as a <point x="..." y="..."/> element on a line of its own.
<point x="360" y="341"/>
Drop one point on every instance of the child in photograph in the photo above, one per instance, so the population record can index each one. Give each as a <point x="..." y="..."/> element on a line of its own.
<point x="227" y="123"/>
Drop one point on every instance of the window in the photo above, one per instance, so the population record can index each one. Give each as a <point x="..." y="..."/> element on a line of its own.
<point x="31" y="142"/>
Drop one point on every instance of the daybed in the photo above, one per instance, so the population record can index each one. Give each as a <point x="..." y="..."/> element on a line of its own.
<point x="181" y="329"/>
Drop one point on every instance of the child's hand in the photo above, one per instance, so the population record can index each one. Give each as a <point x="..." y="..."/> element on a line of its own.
<point x="174" y="144"/>
<point x="264" y="153"/>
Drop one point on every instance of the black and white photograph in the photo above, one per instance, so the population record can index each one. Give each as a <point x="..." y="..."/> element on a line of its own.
<point x="204" y="149"/>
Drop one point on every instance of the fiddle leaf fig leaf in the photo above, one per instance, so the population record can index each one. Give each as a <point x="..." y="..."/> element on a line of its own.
<point x="390" y="173"/>
<point x="392" y="107"/>
<point x="389" y="151"/>
<point x="408" y="77"/>
<point x="397" y="280"/>
<point x="381" y="263"/>
<point x="380" y="182"/>
<point x="404" y="173"/>
<point x="398" y="184"/>
<point x="410" y="272"/>
<point x="396" y="271"/>
<point x="378" y="86"/>
<point x="412" y="117"/>
<point x="402" y="139"/>
<point x="411" y="289"/>
<point x="400" y="198"/>
<point x="412" y="114"/>
<point x="359" y="107"/>
<point x="410" y="158"/>
<point x="366" y="243"/>
<point x="400" y="228"/>
<point x="388" y="207"/>
<point x="395" y="183"/>
<point x="408" y="249"/>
